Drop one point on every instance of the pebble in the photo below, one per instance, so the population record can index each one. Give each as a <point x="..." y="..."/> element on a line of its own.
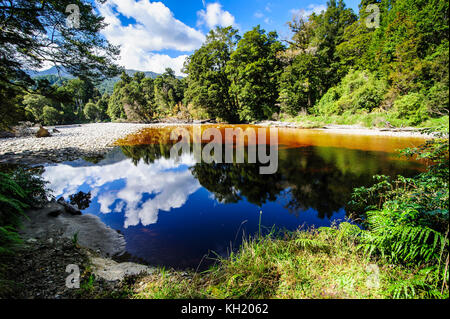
<point x="72" y="142"/>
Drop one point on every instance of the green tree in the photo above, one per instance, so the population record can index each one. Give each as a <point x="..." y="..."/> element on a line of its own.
<point x="254" y="70"/>
<point x="102" y="106"/>
<point x="34" y="103"/>
<point x="132" y="98"/>
<point x="115" y="106"/>
<point x="80" y="91"/>
<point x="312" y="64"/>
<point x="207" y="81"/>
<point x="92" y="112"/>
<point x="34" y="32"/>
<point x="168" y="92"/>
<point x="51" y="116"/>
<point x="301" y="84"/>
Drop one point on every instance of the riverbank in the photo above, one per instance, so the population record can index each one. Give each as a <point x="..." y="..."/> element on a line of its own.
<point x="351" y="129"/>
<point x="375" y="121"/>
<point x="53" y="240"/>
<point x="71" y="142"/>
<point x="67" y="142"/>
<point x="324" y="263"/>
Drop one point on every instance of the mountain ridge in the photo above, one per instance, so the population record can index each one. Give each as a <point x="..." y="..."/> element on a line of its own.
<point x="105" y="86"/>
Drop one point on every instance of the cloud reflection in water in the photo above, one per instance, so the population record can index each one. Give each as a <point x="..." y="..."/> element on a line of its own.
<point x="168" y="182"/>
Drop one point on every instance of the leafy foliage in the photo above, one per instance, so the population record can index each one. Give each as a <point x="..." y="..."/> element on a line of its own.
<point x="19" y="190"/>
<point x="208" y="83"/>
<point x="358" y="91"/>
<point x="335" y="65"/>
<point x="408" y="218"/>
<point x="253" y="71"/>
<point x="34" y="32"/>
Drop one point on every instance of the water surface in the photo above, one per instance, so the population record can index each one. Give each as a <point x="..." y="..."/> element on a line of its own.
<point x="173" y="213"/>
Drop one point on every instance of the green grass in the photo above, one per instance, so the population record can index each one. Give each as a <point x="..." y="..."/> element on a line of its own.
<point x="370" y="120"/>
<point x="321" y="263"/>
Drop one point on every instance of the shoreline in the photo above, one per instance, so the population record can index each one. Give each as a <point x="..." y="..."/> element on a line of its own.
<point x="94" y="140"/>
<point x="71" y="142"/>
<point x="407" y="132"/>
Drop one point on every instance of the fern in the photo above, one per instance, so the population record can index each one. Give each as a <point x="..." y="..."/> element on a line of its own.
<point x="402" y="242"/>
<point x="407" y="221"/>
<point x="18" y="191"/>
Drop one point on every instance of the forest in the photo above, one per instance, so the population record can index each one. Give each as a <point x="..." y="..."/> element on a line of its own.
<point x="337" y="65"/>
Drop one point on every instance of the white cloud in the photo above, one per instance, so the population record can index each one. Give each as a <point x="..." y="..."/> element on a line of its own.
<point x="138" y="59"/>
<point x="312" y="8"/>
<point x="155" y="29"/>
<point x="169" y="186"/>
<point x="259" y="14"/>
<point x="215" y="16"/>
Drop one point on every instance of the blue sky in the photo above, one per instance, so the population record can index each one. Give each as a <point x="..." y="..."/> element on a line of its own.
<point x="157" y="34"/>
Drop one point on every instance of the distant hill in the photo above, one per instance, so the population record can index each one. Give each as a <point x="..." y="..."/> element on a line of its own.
<point x="106" y="86"/>
<point x="52" y="71"/>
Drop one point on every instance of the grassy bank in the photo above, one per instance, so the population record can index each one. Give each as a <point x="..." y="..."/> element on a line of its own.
<point x="322" y="263"/>
<point x="370" y="120"/>
<point x="318" y="264"/>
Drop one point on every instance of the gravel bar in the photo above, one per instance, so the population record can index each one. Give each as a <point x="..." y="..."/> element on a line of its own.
<point x="69" y="143"/>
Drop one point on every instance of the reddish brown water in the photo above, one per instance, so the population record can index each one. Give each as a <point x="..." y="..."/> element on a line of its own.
<point x="287" y="138"/>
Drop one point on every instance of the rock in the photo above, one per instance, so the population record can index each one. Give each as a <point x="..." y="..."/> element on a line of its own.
<point x="42" y="132"/>
<point x="204" y="121"/>
<point x="55" y="210"/>
<point x="111" y="270"/>
<point x="6" y="134"/>
<point x="92" y="232"/>
<point x="72" y="209"/>
<point x="68" y="207"/>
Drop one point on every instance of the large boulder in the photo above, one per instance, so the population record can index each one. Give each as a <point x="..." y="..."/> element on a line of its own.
<point x="42" y="132"/>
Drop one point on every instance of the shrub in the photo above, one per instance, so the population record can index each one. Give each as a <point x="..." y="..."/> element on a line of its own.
<point x="407" y="219"/>
<point x="51" y="116"/>
<point x="412" y="108"/>
<point x="19" y="190"/>
<point x="358" y="91"/>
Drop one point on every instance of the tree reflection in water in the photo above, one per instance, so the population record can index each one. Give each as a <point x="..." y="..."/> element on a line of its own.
<point x="321" y="178"/>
